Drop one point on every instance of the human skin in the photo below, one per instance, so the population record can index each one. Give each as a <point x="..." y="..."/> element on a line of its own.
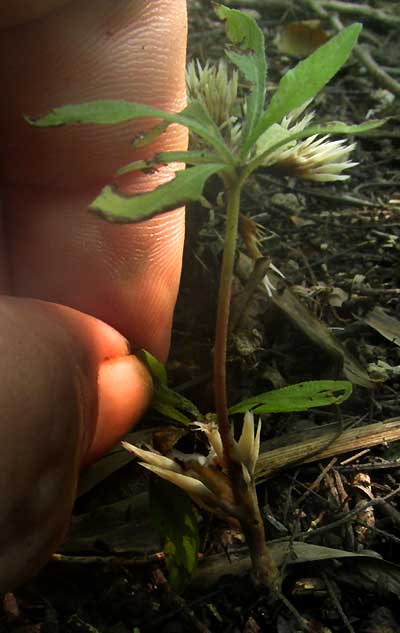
<point x="77" y="292"/>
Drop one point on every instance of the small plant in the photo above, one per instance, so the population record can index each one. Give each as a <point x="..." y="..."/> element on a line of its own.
<point x="233" y="135"/>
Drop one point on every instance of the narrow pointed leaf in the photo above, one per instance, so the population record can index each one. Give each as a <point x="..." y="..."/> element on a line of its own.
<point x="300" y="397"/>
<point x="186" y="186"/>
<point x="166" y="401"/>
<point x="171" y="403"/>
<point x="170" y="412"/>
<point x="309" y="76"/>
<point x="157" y="369"/>
<point x="243" y="31"/>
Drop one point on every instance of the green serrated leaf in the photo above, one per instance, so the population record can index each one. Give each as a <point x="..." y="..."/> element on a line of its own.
<point x="337" y="127"/>
<point x="243" y="31"/>
<point x="173" y="515"/>
<point x="241" y="28"/>
<point x="156" y="368"/>
<point x="113" y="112"/>
<point x="186" y="186"/>
<point x="305" y="80"/>
<point x="300" y="397"/>
<point x="147" y="137"/>
<point x="190" y="157"/>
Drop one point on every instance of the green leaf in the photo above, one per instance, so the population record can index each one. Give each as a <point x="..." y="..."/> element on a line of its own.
<point x="166" y="401"/>
<point x="197" y="118"/>
<point x="173" y="515"/>
<point x="272" y="136"/>
<point x="141" y="140"/>
<point x="168" y="411"/>
<point x="156" y="368"/>
<point x="304" y="395"/>
<point x="171" y="404"/>
<point x="187" y="185"/>
<point x="243" y="31"/>
<point x="113" y="112"/>
<point x="305" y="80"/>
<point x="191" y="157"/>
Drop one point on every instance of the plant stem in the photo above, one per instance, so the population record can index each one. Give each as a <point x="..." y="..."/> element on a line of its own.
<point x="244" y="491"/>
<point x="234" y="186"/>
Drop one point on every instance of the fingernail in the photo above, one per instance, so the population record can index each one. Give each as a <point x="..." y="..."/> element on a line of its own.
<point x="124" y="393"/>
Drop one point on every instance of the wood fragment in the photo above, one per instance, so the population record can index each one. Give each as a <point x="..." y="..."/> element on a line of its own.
<point x="303" y="450"/>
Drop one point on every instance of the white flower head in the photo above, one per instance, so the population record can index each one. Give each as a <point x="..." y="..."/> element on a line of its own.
<point x="171" y="470"/>
<point x="245" y="450"/>
<point x="315" y="158"/>
<point x="216" y="87"/>
<point x="203" y="478"/>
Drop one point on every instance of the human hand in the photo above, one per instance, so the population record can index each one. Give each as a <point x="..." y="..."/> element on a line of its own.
<point x="69" y="387"/>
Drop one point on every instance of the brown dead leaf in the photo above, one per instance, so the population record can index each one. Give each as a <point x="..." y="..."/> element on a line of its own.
<point x="301" y="38"/>
<point x="386" y="325"/>
<point x="297" y="220"/>
<point x="369" y="565"/>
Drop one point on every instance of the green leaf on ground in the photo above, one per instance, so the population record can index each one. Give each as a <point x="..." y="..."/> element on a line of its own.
<point x="243" y="31"/>
<point x="173" y="515"/>
<point x="186" y="186"/>
<point x="299" y="397"/>
<point x="310" y="75"/>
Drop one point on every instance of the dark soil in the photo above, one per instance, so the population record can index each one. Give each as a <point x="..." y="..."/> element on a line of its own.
<point x="338" y="247"/>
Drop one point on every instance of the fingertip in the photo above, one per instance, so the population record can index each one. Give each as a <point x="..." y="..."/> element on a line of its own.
<point x="124" y="393"/>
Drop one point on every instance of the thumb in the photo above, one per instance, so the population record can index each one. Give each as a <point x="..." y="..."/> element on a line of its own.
<point x="68" y="390"/>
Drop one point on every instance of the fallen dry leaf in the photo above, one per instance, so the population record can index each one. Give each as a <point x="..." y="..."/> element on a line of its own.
<point x="385" y="324"/>
<point x="301" y="38"/>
